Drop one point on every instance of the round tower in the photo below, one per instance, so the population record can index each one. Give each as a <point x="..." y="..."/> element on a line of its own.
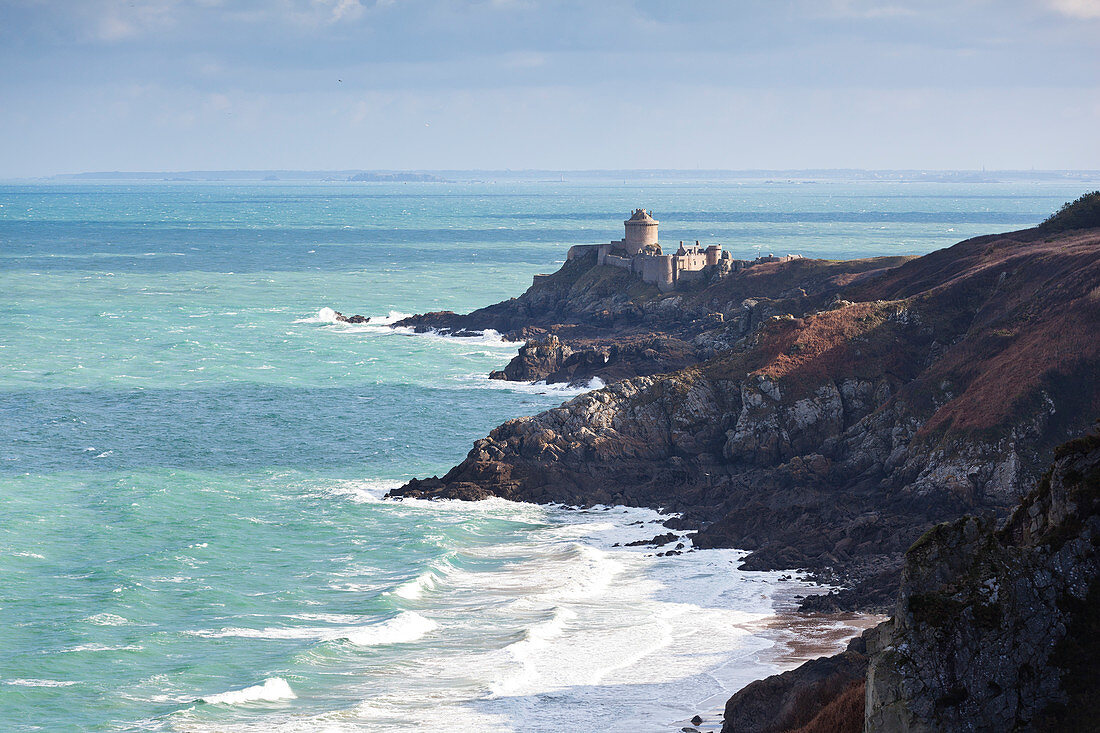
<point x="641" y="231"/>
<point x="714" y="253"/>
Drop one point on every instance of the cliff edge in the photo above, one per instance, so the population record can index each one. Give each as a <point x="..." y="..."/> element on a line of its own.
<point x="830" y="438"/>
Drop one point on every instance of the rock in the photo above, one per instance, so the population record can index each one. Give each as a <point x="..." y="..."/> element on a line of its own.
<point x="790" y="700"/>
<point x="828" y="441"/>
<point x="997" y="629"/>
<point x="341" y="318"/>
<point x="696" y="720"/>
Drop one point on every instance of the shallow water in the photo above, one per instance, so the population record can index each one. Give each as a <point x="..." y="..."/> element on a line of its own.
<point x="192" y="455"/>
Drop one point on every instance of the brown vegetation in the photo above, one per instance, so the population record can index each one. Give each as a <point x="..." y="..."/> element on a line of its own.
<point x="843" y="714"/>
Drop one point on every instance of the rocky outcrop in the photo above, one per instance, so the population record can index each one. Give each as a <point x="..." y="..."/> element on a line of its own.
<point x="833" y="439"/>
<point x="550" y="359"/>
<point x="794" y="699"/>
<point x="997" y="629"/>
<point x="607" y="323"/>
<point x="994" y="629"/>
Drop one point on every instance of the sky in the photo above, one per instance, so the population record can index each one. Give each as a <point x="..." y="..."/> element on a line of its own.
<point x="160" y="85"/>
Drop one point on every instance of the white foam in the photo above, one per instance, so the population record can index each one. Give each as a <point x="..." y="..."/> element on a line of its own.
<point x="40" y="683"/>
<point x="325" y="315"/>
<point x="107" y="619"/>
<point x="273" y="689"/>
<point x="565" y="390"/>
<point x="546" y="616"/>
<point x="404" y="628"/>
<point x="366" y="491"/>
<point x="389" y="319"/>
<point x="328" y="315"/>
<point x="93" y="647"/>
<point x="415" y="588"/>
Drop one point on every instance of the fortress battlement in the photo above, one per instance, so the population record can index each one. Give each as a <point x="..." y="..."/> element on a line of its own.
<point x="639" y="251"/>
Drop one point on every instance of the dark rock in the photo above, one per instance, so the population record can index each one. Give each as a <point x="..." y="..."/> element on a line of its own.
<point x="790" y="700"/>
<point x="697" y="720"/>
<point x="997" y="629"/>
<point x="893" y="397"/>
<point x="661" y="539"/>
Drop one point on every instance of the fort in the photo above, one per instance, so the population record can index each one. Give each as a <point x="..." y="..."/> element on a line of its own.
<point x="640" y="252"/>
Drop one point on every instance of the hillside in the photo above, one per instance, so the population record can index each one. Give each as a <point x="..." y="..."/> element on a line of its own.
<point x="870" y="401"/>
<point x="585" y="321"/>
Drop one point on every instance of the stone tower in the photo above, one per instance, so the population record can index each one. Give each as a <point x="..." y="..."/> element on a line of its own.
<point x="641" y="230"/>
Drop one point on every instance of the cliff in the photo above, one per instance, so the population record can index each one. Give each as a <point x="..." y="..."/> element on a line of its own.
<point x="865" y="403"/>
<point x="993" y="629"/>
<point x="998" y="629"/>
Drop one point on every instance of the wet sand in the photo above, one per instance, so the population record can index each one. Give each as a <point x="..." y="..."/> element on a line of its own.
<point x="797" y="638"/>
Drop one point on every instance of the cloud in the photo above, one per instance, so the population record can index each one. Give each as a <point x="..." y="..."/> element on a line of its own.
<point x="1087" y="9"/>
<point x="119" y="21"/>
<point x="346" y="10"/>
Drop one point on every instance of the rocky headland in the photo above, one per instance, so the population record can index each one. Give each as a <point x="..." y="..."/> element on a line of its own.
<point x="840" y="417"/>
<point x="821" y="414"/>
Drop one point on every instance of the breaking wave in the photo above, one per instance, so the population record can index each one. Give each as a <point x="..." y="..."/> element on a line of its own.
<point x="272" y="690"/>
<point x="404" y="628"/>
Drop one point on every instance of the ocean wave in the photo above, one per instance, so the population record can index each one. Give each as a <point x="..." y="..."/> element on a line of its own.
<point x="273" y="689"/>
<point x="540" y="634"/>
<point x="40" y="683"/>
<point x="534" y="639"/>
<point x="328" y="315"/>
<point x="366" y="491"/>
<point x="403" y="628"/>
<point x="383" y="325"/>
<point x="480" y="381"/>
<point x="414" y="589"/>
<point x="325" y="315"/>
<point x="94" y="647"/>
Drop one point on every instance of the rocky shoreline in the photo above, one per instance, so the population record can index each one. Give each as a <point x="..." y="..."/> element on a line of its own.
<point x="827" y="416"/>
<point x="824" y="424"/>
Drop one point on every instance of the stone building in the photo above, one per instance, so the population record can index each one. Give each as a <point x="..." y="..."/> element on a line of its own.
<point x="640" y="252"/>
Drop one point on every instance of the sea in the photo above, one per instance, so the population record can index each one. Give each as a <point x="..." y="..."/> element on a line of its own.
<point x="194" y="455"/>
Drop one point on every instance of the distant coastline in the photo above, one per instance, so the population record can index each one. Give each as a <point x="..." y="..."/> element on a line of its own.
<point x="805" y="175"/>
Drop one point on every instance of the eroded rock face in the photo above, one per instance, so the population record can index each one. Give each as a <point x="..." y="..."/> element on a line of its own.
<point x="996" y="629"/>
<point x="788" y="701"/>
<point x="829" y="440"/>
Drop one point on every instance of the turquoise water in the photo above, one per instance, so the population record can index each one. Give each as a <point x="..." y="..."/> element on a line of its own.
<point x="191" y="458"/>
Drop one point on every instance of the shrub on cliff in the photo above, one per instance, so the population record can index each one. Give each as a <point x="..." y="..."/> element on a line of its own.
<point x="1084" y="213"/>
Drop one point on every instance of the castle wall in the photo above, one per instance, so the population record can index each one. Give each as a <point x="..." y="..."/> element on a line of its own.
<point x="580" y="250"/>
<point x="686" y="276"/>
<point x="691" y="263"/>
<point x="625" y="263"/>
<point x="660" y="271"/>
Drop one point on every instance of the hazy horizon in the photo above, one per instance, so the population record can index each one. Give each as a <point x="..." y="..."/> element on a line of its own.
<point x="1085" y="176"/>
<point x="178" y="85"/>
